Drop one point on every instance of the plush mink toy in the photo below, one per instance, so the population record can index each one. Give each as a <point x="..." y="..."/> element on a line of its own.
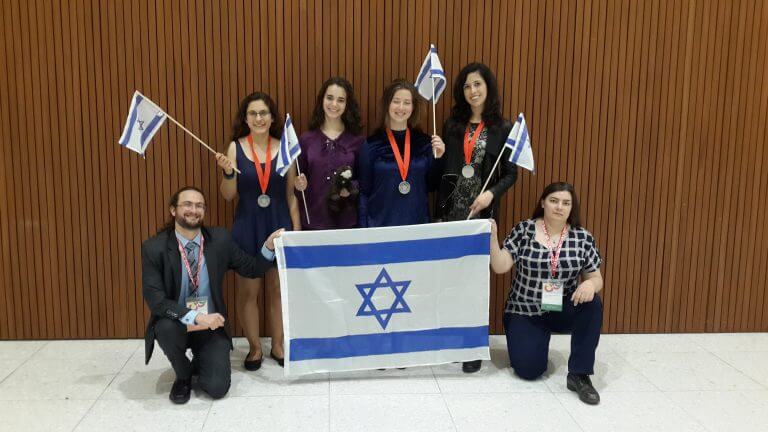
<point x="342" y="179"/>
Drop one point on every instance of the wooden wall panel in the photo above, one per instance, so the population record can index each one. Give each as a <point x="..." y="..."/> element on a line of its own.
<point x="656" y="110"/>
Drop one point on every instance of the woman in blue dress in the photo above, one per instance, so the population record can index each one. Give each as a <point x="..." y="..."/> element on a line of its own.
<point x="399" y="164"/>
<point x="265" y="203"/>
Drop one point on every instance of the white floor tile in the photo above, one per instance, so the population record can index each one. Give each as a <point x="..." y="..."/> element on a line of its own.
<point x="390" y="381"/>
<point x="90" y="349"/>
<point x="509" y="412"/>
<point x="14" y="350"/>
<point x="751" y="364"/>
<point x="418" y="413"/>
<point x="630" y="412"/>
<point x="690" y="371"/>
<point x="647" y="343"/>
<point x="42" y="378"/>
<point x="489" y="379"/>
<point x="269" y="413"/>
<point x="270" y="381"/>
<point x="612" y="373"/>
<point x="43" y="416"/>
<point x="7" y="366"/>
<point x="145" y="416"/>
<point x="731" y="342"/>
<point x="742" y="411"/>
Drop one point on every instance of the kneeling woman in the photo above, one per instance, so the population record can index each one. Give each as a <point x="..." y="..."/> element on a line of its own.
<point x="557" y="279"/>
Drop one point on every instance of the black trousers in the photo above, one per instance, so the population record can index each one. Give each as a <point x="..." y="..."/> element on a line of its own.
<point x="209" y="348"/>
<point x="528" y="338"/>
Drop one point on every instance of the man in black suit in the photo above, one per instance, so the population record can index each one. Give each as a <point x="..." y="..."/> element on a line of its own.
<point x="183" y="267"/>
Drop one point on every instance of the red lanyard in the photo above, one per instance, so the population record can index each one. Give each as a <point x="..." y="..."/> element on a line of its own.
<point x="401" y="165"/>
<point x="554" y="252"/>
<point x="193" y="280"/>
<point x="263" y="174"/>
<point x="469" y="143"/>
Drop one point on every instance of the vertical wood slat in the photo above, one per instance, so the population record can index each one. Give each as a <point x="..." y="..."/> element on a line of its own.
<point x="658" y="119"/>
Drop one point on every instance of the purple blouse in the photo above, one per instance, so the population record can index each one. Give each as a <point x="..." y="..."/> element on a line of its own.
<point x="319" y="159"/>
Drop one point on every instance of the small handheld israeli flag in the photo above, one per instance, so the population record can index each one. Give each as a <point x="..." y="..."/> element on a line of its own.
<point x="519" y="144"/>
<point x="431" y="68"/>
<point x="289" y="147"/>
<point x="144" y="120"/>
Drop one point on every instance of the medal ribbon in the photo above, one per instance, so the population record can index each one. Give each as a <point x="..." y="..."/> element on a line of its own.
<point x="469" y="143"/>
<point x="402" y="166"/>
<point x="554" y="251"/>
<point x="262" y="173"/>
<point x="195" y="281"/>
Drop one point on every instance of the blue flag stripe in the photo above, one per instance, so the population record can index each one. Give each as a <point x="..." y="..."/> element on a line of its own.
<point x="132" y="121"/>
<point x="152" y="126"/>
<point x="520" y="145"/>
<point x="423" y="72"/>
<point x="388" y="343"/>
<point x="304" y="257"/>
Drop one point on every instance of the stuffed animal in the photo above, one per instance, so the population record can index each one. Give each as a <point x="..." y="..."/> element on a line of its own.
<point x="343" y="192"/>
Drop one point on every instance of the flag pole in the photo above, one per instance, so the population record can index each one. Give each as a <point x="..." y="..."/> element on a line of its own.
<point x="303" y="197"/>
<point x="434" y="116"/>
<point x="489" y="176"/>
<point x="184" y="129"/>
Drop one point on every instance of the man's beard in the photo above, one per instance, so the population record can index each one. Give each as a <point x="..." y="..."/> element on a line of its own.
<point x="183" y="223"/>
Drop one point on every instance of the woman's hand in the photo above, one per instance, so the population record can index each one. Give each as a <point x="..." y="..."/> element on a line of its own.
<point x="438" y="146"/>
<point x="270" y="243"/>
<point x="481" y="202"/>
<point x="225" y="163"/>
<point x="585" y="293"/>
<point x="301" y="183"/>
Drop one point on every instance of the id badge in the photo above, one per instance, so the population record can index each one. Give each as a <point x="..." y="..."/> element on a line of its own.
<point x="199" y="304"/>
<point x="552" y="296"/>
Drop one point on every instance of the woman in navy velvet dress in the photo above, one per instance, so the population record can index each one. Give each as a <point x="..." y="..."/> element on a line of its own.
<point x="398" y="165"/>
<point x="265" y="203"/>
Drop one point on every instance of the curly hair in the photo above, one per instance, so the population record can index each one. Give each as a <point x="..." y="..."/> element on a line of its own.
<point x="462" y="112"/>
<point x="240" y="127"/>
<point x="351" y="115"/>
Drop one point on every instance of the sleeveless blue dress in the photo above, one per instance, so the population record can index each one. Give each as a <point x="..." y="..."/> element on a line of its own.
<point x="253" y="224"/>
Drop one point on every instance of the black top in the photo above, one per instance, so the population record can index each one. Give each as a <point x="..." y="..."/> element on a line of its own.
<point x="501" y="179"/>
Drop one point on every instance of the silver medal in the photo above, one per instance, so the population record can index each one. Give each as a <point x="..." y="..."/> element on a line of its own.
<point x="263" y="200"/>
<point x="468" y="171"/>
<point x="404" y="187"/>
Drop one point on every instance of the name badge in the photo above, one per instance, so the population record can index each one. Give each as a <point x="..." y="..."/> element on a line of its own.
<point x="552" y="296"/>
<point x="199" y="304"/>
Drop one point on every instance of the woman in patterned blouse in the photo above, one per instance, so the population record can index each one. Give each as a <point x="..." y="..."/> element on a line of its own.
<point x="557" y="278"/>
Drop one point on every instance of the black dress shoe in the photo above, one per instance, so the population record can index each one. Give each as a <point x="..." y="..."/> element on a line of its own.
<point x="252" y="365"/>
<point x="471" y="366"/>
<point x="280" y="361"/>
<point x="582" y="385"/>
<point x="180" y="391"/>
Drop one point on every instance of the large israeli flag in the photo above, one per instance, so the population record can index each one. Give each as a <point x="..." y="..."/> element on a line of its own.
<point x="519" y="144"/>
<point x="384" y="297"/>
<point x="144" y="120"/>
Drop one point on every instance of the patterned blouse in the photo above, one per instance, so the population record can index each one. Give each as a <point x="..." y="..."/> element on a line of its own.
<point x="578" y="255"/>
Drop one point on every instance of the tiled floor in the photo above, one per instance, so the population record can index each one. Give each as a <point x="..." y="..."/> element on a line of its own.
<point x="702" y="382"/>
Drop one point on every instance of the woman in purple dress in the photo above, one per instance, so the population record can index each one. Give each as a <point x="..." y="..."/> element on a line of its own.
<point x="328" y="152"/>
<point x="265" y="203"/>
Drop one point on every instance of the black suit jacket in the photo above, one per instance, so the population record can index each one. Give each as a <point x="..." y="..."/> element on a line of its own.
<point x="161" y="274"/>
<point x="501" y="179"/>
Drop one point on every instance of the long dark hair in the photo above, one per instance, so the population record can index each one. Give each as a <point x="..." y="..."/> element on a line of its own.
<point x="574" y="219"/>
<point x="174" y="202"/>
<point x="462" y="111"/>
<point x="240" y="127"/>
<point x="351" y="115"/>
<point x="389" y="94"/>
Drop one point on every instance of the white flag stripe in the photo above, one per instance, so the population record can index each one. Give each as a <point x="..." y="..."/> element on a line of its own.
<point x="519" y="144"/>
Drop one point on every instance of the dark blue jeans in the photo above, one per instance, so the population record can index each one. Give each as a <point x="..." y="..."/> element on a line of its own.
<point x="528" y="338"/>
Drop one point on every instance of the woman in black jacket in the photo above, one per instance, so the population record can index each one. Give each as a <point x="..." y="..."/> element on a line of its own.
<point x="474" y="136"/>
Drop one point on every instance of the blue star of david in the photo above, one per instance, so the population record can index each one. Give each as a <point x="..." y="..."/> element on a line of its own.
<point x="383" y="281"/>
